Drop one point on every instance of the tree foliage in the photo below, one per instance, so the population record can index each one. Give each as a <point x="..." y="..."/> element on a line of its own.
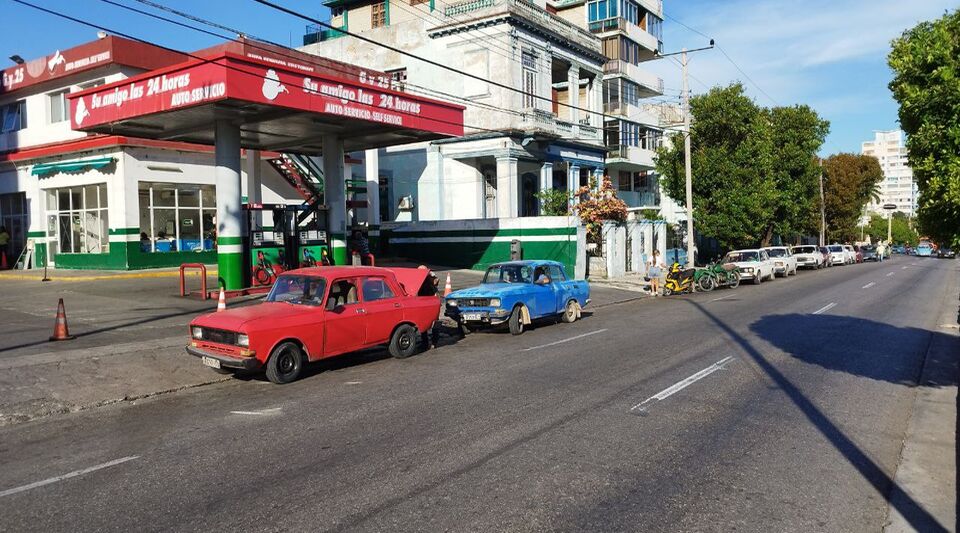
<point x="797" y="133"/>
<point x="556" y="202"/>
<point x="926" y="65"/>
<point x="900" y="229"/>
<point x="734" y="194"/>
<point x="848" y="183"/>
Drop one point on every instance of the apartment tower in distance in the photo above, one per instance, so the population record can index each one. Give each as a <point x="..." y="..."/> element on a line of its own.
<point x="898" y="186"/>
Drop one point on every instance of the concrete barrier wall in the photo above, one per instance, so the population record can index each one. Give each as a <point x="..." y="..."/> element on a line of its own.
<point x="478" y="243"/>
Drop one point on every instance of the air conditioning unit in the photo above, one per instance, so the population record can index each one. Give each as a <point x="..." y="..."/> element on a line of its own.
<point x="406" y="203"/>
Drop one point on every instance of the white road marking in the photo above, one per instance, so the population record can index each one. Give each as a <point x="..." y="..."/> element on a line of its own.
<point x="69" y="475"/>
<point x="825" y="308"/>
<point x="890" y="274"/>
<point x="904" y="268"/>
<point x="564" y="340"/>
<point x="721" y="298"/>
<point x="868" y="285"/>
<point x="352" y="382"/>
<point x="260" y="412"/>
<point x="680" y="385"/>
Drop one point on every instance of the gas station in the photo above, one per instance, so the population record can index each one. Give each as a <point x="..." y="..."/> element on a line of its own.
<point x="275" y="103"/>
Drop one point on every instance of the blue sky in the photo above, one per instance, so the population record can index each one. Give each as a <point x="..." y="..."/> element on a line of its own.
<point x="829" y="54"/>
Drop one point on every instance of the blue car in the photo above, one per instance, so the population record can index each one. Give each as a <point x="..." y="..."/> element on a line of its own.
<point x="517" y="293"/>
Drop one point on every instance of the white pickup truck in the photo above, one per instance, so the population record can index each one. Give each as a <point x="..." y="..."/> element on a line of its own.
<point x="784" y="263"/>
<point x="754" y="264"/>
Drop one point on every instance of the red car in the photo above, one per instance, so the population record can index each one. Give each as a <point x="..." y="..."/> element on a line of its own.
<point x="314" y="313"/>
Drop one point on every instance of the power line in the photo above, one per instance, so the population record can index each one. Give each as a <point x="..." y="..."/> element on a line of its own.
<point x="424" y="90"/>
<point x="726" y="55"/>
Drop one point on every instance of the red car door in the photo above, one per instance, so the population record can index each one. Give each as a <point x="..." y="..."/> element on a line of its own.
<point x="344" y="318"/>
<point x="384" y="310"/>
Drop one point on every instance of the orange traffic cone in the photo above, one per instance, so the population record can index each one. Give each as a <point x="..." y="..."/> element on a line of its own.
<point x="60" y="330"/>
<point x="447" y="289"/>
<point x="222" y="302"/>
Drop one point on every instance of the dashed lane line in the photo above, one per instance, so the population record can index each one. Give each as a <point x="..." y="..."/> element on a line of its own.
<point x="868" y="285"/>
<point x="680" y="385"/>
<point x="272" y="411"/>
<point x="825" y="308"/>
<point x="68" y="475"/>
<point x="564" y="340"/>
<point x="890" y="274"/>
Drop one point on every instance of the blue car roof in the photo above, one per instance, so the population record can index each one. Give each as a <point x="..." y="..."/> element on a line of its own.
<point x="528" y="262"/>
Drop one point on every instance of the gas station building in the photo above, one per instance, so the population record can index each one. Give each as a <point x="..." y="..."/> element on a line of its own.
<point x="119" y="155"/>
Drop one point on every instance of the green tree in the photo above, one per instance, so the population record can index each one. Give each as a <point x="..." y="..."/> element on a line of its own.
<point x="926" y="83"/>
<point x="734" y="193"/>
<point x="900" y="230"/>
<point x="848" y="182"/>
<point x="798" y="133"/>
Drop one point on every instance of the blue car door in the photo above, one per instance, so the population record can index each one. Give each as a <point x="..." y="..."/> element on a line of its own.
<point x="544" y="294"/>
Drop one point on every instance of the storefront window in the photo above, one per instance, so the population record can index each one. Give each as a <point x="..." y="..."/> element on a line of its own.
<point x="77" y="219"/>
<point x="177" y="217"/>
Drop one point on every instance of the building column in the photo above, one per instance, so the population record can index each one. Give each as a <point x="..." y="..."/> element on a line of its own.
<point x="598" y="175"/>
<point x="597" y="103"/>
<point x="334" y="192"/>
<point x="230" y="223"/>
<point x="254" y="184"/>
<point x="573" y="180"/>
<point x="546" y="181"/>
<point x="508" y="187"/>
<point x="573" y="93"/>
<point x="371" y="169"/>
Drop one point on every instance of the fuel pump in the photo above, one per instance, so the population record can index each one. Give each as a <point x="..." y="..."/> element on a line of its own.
<point x="296" y="236"/>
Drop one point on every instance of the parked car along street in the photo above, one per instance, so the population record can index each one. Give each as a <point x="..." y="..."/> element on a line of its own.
<point x="870" y="253"/>
<point x="808" y="256"/>
<point x="784" y="263"/>
<point x="754" y="264"/>
<point x="517" y="293"/>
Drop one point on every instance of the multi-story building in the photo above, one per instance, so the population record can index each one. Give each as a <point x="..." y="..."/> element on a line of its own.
<point x="898" y="186"/>
<point x="631" y="33"/>
<point x="537" y="123"/>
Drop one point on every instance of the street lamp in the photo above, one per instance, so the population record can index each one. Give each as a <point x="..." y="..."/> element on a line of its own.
<point x="889" y="208"/>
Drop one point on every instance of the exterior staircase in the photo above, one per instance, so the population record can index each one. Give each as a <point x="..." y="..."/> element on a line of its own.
<point x="302" y="174"/>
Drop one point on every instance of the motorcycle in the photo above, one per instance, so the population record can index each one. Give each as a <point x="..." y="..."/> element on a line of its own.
<point x="726" y="275"/>
<point x="705" y="279"/>
<point x="678" y="280"/>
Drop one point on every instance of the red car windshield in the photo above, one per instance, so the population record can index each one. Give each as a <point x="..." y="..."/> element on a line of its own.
<point x="302" y="290"/>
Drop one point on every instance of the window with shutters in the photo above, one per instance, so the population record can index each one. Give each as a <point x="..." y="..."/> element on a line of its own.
<point x="378" y="15"/>
<point x="529" y="62"/>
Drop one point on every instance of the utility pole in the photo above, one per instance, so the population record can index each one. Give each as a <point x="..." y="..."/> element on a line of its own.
<point x="823" y="212"/>
<point x="686" y="159"/>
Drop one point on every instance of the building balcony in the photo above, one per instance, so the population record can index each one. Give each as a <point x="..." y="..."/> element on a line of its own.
<point x="640" y="199"/>
<point x="631" y="157"/>
<point x="546" y="123"/>
<point x="642" y="114"/>
<point x="521" y="9"/>
<point x="620" y="25"/>
<point x="650" y="85"/>
<point x="653" y="6"/>
<point x="315" y="34"/>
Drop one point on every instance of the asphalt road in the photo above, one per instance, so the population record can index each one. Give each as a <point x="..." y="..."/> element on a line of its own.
<point x="781" y="407"/>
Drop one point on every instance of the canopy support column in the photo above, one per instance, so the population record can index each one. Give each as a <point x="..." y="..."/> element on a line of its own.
<point x="335" y="195"/>
<point x="230" y="229"/>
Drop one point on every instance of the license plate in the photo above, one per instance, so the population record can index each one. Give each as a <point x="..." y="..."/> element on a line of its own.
<point x="472" y="316"/>
<point x="210" y="361"/>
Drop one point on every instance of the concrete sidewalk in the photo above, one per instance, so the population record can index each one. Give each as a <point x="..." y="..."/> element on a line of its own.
<point x="131" y="329"/>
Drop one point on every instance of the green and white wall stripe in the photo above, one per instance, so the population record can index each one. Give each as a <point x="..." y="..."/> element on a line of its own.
<point x="479" y="243"/>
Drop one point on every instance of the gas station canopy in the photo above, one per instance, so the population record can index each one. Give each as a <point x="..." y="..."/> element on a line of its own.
<point x="282" y="100"/>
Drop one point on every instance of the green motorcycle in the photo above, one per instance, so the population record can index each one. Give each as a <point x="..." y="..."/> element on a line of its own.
<point x="705" y="279"/>
<point x="726" y="275"/>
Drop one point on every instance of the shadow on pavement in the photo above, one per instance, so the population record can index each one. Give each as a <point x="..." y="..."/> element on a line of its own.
<point x="794" y="326"/>
<point x="849" y="344"/>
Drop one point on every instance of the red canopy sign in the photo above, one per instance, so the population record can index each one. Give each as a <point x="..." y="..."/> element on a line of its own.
<point x="232" y="77"/>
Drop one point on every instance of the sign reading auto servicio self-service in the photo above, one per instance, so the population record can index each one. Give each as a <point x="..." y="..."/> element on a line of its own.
<point x="252" y="81"/>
